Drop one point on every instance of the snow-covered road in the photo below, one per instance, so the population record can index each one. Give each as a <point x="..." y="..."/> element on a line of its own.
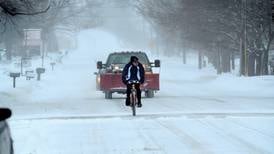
<point x="177" y="134"/>
<point x="195" y="111"/>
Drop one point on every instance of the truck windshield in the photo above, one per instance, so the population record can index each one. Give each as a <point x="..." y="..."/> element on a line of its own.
<point x="122" y="58"/>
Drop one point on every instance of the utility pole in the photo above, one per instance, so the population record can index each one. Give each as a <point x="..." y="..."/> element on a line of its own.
<point x="272" y="17"/>
<point x="241" y="41"/>
<point x="243" y="38"/>
<point x="42" y="48"/>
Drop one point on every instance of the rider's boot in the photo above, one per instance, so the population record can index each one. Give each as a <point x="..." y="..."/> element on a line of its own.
<point x="139" y="104"/>
<point x="127" y="102"/>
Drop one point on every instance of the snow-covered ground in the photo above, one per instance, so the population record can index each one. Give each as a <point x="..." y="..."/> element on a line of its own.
<point x="195" y="111"/>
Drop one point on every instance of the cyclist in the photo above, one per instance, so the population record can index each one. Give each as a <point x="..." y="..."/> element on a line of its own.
<point x="133" y="71"/>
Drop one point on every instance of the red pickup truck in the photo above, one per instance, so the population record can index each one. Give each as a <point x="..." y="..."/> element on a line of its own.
<point x="109" y="75"/>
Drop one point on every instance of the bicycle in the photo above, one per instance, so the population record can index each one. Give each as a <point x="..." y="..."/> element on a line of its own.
<point x="133" y="97"/>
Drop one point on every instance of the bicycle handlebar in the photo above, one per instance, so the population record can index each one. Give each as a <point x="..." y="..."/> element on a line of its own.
<point x="133" y="81"/>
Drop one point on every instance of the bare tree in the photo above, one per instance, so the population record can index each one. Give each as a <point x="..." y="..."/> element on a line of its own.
<point x="217" y="28"/>
<point x="23" y="7"/>
<point x="13" y="10"/>
<point x="48" y="15"/>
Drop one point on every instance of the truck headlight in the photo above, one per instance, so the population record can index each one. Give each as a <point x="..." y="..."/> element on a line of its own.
<point x="116" y="67"/>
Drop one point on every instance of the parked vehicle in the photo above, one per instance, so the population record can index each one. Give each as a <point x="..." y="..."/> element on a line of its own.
<point x="6" y="145"/>
<point x="109" y="75"/>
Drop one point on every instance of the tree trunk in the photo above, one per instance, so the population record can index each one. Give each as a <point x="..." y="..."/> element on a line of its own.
<point x="242" y="66"/>
<point x="243" y="62"/>
<point x="184" y="56"/>
<point x="9" y="50"/>
<point x="219" y="69"/>
<point x="213" y="61"/>
<point x="225" y="61"/>
<point x="265" y="63"/>
<point x="251" y="64"/>
<point x="204" y="62"/>
<point x="200" y="60"/>
<point x="258" y="64"/>
<point x="233" y="60"/>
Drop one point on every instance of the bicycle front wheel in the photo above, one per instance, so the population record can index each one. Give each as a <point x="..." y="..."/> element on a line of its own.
<point x="134" y="110"/>
<point x="133" y="105"/>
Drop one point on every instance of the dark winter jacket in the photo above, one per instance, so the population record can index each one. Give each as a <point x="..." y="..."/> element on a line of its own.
<point x="131" y="72"/>
<point x="4" y="113"/>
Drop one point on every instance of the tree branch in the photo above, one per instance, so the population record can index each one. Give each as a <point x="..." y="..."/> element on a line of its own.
<point x="13" y="11"/>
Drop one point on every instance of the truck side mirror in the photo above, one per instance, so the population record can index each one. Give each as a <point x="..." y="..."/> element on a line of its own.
<point x="157" y="63"/>
<point x="99" y="65"/>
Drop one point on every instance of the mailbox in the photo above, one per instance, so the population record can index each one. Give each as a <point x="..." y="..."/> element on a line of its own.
<point x="14" y="76"/>
<point x="52" y="65"/>
<point x="39" y="71"/>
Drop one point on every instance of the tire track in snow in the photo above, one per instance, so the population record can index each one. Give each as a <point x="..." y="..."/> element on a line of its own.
<point x="97" y="137"/>
<point x="185" y="138"/>
<point x="196" y="115"/>
<point x="253" y="129"/>
<point x="175" y="105"/>
<point x="251" y="148"/>
<point x="149" y="139"/>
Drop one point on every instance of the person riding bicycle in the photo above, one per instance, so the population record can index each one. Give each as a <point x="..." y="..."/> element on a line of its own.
<point x="133" y="71"/>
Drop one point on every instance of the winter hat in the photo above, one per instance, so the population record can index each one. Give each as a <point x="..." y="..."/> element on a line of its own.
<point x="133" y="59"/>
<point x="4" y="113"/>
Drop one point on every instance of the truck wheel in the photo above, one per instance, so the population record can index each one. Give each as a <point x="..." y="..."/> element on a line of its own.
<point x="150" y="93"/>
<point x="108" y="95"/>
